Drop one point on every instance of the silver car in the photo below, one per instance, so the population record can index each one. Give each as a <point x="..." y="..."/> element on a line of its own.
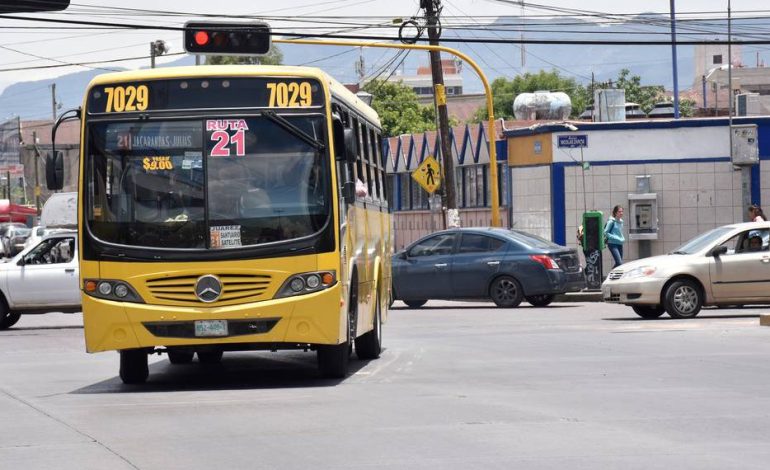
<point x="728" y="265"/>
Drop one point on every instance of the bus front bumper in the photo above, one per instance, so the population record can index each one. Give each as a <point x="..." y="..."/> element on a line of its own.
<point x="306" y="319"/>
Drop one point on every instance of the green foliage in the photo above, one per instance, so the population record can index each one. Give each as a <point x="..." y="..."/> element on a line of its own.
<point x="686" y="107"/>
<point x="273" y="57"/>
<point x="399" y="110"/>
<point x="504" y="91"/>
<point x="645" y="96"/>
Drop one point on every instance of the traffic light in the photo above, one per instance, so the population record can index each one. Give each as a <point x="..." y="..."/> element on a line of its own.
<point x="227" y="38"/>
<point x="26" y="6"/>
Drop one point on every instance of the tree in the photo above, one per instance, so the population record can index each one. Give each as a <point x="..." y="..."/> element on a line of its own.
<point x="273" y="57"/>
<point x="399" y="110"/>
<point x="644" y="96"/>
<point x="504" y="91"/>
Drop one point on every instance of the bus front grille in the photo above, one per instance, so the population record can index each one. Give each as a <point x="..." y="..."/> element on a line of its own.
<point x="240" y="287"/>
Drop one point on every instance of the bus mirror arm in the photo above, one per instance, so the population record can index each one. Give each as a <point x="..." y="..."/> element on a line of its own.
<point x="54" y="161"/>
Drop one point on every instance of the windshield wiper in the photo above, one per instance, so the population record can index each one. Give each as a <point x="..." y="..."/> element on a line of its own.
<point x="294" y="130"/>
<point x="679" y="252"/>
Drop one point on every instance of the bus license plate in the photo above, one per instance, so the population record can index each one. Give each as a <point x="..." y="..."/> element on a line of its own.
<point x="211" y="328"/>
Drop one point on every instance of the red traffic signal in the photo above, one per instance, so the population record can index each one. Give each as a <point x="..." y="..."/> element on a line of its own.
<point x="227" y="38"/>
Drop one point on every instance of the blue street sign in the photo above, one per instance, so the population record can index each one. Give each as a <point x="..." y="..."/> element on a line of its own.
<point x="573" y="140"/>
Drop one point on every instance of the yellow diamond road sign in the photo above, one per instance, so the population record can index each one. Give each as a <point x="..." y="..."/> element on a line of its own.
<point x="428" y="174"/>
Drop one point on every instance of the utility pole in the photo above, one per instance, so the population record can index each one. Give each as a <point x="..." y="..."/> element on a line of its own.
<point x="432" y="10"/>
<point x="53" y="101"/>
<point x="673" y="60"/>
<point x="37" y="172"/>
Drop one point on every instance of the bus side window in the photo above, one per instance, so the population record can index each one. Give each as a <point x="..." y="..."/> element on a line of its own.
<point x="360" y="174"/>
<point x="376" y="165"/>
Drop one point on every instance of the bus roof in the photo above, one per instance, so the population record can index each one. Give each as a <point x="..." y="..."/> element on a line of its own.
<point x="335" y="87"/>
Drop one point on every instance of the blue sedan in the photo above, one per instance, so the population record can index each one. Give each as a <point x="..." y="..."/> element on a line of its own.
<point x="506" y="266"/>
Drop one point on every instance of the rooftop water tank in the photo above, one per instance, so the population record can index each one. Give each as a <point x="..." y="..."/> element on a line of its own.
<point x="549" y="105"/>
<point x="609" y="105"/>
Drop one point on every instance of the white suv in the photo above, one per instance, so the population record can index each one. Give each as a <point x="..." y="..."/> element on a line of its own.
<point x="42" y="278"/>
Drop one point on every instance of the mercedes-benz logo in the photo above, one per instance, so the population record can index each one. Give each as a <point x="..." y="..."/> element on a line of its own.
<point x="208" y="288"/>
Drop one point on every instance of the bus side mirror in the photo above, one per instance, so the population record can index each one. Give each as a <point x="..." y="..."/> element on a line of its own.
<point x="349" y="191"/>
<point x="54" y="171"/>
<point x="350" y="145"/>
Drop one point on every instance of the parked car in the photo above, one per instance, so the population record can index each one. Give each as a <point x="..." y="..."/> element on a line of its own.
<point x="42" y="278"/>
<point x="505" y="266"/>
<point x="7" y="231"/>
<point x="729" y="265"/>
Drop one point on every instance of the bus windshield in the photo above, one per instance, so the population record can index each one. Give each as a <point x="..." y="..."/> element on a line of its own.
<point x="208" y="183"/>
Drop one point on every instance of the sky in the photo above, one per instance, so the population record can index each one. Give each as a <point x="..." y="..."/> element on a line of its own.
<point x="22" y="46"/>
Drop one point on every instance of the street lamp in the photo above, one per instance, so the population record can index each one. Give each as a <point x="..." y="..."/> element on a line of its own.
<point x="157" y="48"/>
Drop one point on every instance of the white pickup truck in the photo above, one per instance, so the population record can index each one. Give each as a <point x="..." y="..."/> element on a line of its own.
<point x="44" y="277"/>
<point x="41" y="279"/>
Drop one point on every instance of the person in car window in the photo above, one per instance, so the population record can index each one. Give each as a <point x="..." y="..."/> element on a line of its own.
<point x="755" y="243"/>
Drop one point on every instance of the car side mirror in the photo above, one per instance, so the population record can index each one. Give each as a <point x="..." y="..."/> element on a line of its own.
<point x="717" y="251"/>
<point x="402" y="255"/>
<point x="21" y="262"/>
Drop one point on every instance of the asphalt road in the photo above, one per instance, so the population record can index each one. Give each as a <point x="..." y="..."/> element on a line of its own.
<point x="459" y="386"/>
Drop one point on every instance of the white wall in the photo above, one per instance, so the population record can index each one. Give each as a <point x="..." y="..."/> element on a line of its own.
<point x="531" y="188"/>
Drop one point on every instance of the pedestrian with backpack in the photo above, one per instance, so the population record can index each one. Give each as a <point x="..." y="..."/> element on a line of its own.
<point x="613" y="233"/>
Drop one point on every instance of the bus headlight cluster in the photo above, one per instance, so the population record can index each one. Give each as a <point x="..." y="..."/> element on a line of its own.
<point x="111" y="290"/>
<point x="306" y="283"/>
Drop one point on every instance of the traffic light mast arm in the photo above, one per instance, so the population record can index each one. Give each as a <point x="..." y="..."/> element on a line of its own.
<point x="487" y="90"/>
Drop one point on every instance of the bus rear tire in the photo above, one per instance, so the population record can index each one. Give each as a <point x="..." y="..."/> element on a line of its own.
<point x="210" y="357"/>
<point x="133" y="366"/>
<point x="180" y="357"/>
<point x="333" y="360"/>
<point x="369" y="345"/>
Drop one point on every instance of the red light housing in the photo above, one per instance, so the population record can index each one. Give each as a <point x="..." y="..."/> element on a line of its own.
<point x="225" y="38"/>
<point x="545" y="260"/>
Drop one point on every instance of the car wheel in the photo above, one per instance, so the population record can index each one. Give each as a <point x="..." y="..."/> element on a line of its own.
<point x="133" y="366"/>
<point x="505" y="291"/>
<point x="683" y="299"/>
<point x="415" y="303"/>
<point x="369" y="345"/>
<point x="180" y="357"/>
<point x="649" y="311"/>
<point x="7" y="319"/>
<point x="210" y="356"/>
<point x="540" y="300"/>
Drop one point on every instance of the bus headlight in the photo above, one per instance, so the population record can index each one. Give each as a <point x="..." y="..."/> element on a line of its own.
<point x="306" y="283"/>
<point x="110" y="289"/>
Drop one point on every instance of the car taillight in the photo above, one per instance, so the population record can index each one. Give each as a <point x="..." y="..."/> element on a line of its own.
<point x="545" y="260"/>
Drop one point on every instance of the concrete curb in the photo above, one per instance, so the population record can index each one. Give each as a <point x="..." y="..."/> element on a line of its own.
<point x="584" y="296"/>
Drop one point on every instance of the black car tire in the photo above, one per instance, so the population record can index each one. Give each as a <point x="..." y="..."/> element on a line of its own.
<point x="683" y="299"/>
<point x="133" y="366"/>
<point x="505" y="291"/>
<point x="649" y="312"/>
<point x="369" y="345"/>
<point x="542" y="300"/>
<point x="210" y="356"/>
<point x="7" y="319"/>
<point x="180" y="357"/>
<point x="415" y="303"/>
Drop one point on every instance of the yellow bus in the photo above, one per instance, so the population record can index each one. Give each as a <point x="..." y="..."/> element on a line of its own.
<point x="230" y="208"/>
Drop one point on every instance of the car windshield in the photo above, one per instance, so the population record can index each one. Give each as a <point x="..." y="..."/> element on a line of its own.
<point x="206" y="183"/>
<point x="533" y="241"/>
<point x="702" y="241"/>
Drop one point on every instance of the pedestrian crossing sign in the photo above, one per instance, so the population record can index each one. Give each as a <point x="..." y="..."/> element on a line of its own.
<point x="428" y="174"/>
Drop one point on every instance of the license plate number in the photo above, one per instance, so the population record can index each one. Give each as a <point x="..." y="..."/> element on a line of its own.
<point x="211" y="328"/>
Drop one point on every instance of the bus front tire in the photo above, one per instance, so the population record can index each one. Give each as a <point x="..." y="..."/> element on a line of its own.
<point x="369" y="345"/>
<point x="415" y="303"/>
<point x="133" y="366"/>
<point x="333" y="360"/>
